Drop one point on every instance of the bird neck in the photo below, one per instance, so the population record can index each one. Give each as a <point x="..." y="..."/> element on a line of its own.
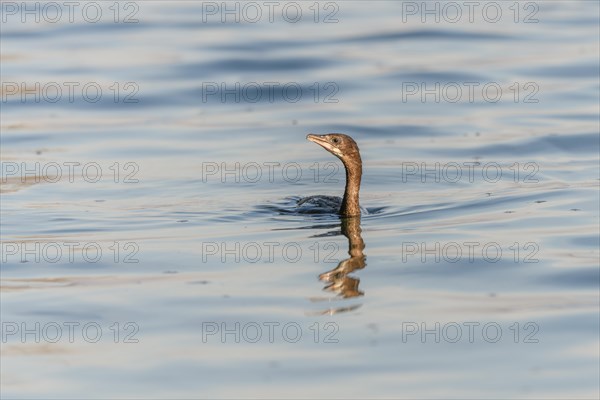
<point x="350" y="202"/>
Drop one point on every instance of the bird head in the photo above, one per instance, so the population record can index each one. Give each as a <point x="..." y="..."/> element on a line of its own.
<point x="338" y="144"/>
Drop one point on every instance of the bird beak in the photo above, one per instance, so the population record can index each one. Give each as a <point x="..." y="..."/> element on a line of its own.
<point x="321" y="141"/>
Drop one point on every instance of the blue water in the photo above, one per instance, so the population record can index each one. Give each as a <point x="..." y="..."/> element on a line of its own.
<point x="164" y="217"/>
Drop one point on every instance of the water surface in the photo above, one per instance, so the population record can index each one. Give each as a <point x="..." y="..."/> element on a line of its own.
<point x="483" y="214"/>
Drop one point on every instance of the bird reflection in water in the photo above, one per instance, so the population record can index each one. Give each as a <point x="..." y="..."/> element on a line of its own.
<point x="339" y="279"/>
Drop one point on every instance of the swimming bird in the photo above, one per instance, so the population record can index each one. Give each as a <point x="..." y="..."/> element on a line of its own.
<point x="345" y="148"/>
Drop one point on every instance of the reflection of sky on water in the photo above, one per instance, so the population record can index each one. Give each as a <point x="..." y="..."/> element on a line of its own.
<point x="171" y="133"/>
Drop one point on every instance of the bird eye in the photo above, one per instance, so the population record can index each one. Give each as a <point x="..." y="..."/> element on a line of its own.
<point x="335" y="140"/>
